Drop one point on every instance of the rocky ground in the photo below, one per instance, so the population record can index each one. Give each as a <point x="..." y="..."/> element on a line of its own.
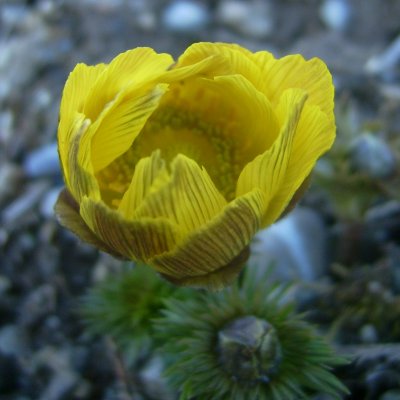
<point x="352" y="275"/>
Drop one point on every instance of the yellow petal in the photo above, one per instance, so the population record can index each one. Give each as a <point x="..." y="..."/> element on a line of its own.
<point x="237" y="60"/>
<point x="121" y="122"/>
<point x="79" y="178"/>
<point x="76" y="89"/>
<point x="67" y="212"/>
<point x="146" y="171"/>
<point x="256" y="125"/>
<point x="201" y="68"/>
<point x="212" y="255"/>
<point x="187" y="197"/>
<point x="267" y="171"/>
<point x="215" y="280"/>
<point x="136" y="66"/>
<point x="138" y="240"/>
<point x="315" y="134"/>
<point x="294" y="71"/>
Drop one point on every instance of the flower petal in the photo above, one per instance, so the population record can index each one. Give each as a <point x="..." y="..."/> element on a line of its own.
<point x="237" y="60"/>
<point x="257" y="125"/>
<point x="120" y="123"/>
<point x="136" y="67"/>
<point x="201" y="68"/>
<point x="76" y="89"/>
<point x="146" y="171"/>
<point x="80" y="179"/>
<point x="294" y="71"/>
<point x="213" y="255"/>
<point x="138" y="240"/>
<point x="268" y="170"/>
<point x="67" y="212"/>
<point x="315" y="134"/>
<point x="187" y="197"/>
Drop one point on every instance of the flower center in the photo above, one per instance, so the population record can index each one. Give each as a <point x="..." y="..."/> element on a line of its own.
<point x="193" y="120"/>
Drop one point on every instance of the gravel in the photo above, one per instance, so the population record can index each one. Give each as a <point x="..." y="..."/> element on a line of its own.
<point x="45" y="352"/>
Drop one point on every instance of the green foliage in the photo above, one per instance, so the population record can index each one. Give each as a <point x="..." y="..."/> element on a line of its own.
<point x="122" y="306"/>
<point x="142" y="312"/>
<point x="190" y="330"/>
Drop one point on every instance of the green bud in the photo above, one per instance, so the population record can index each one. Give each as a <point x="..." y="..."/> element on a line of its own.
<point x="249" y="350"/>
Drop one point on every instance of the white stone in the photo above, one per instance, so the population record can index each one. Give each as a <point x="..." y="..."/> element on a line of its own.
<point x="251" y="18"/>
<point x="296" y="246"/>
<point x="42" y="161"/>
<point x="386" y="61"/>
<point x="185" y="15"/>
<point x="373" y="156"/>
<point x="336" y="14"/>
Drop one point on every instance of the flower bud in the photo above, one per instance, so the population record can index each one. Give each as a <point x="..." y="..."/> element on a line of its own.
<point x="249" y="349"/>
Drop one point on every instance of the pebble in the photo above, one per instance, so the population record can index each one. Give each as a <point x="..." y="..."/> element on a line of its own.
<point x="46" y="207"/>
<point x="13" y="340"/>
<point x="19" y="61"/>
<point x="372" y="155"/>
<point x="39" y="303"/>
<point x="153" y="380"/>
<point x="368" y="334"/>
<point x="6" y="120"/>
<point x="5" y="284"/>
<point x="63" y="380"/>
<point x="10" y="179"/>
<point x="391" y="395"/>
<point x="384" y="64"/>
<point x="146" y="20"/>
<point x="252" y="19"/>
<point x="11" y="15"/>
<point x="296" y="246"/>
<point x="185" y="16"/>
<point x="336" y="14"/>
<point x="43" y="161"/>
<point x="61" y="386"/>
<point x="382" y="378"/>
<point x="21" y="208"/>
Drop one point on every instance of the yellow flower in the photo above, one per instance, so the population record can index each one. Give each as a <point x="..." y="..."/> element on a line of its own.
<point x="178" y="165"/>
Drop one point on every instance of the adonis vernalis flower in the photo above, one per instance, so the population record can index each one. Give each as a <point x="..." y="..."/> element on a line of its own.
<point x="179" y="164"/>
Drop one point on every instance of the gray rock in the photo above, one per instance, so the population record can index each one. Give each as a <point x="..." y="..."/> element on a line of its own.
<point x="250" y="18"/>
<point x="13" y="340"/>
<point x="153" y="380"/>
<point x="38" y="304"/>
<point x="5" y="284"/>
<point x="368" y="334"/>
<point x="23" y="206"/>
<point x="146" y="20"/>
<point x="12" y="14"/>
<point x="46" y="207"/>
<point x="336" y="14"/>
<point x="372" y="155"/>
<point x="185" y="16"/>
<point x="61" y="386"/>
<point x="63" y="380"/>
<point x="296" y="246"/>
<point x="391" y="395"/>
<point x="22" y="56"/>
<point x="344" y="57"/>
<point x="10" y="179"/>
<point x="386" y="62"/>
<point x="43" y="161"/>
<point x="6" y="123"/>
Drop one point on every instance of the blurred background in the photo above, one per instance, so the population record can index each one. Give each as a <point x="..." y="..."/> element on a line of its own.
<point x="342" y="243"/>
